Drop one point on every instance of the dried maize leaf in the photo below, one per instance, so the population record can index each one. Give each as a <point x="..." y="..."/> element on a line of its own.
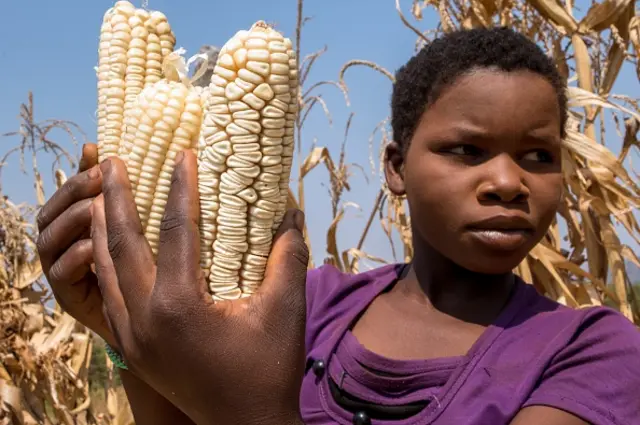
<point x="632" y="126"/>
<point x="616" y="265"/>
<point x="562" y="290"/>
<point x="585" y="82"/>
<point x="357" y="255"/>
<point x="560" y="59"/>
<point x="602" y="15"/>
<point x="524" y="270"/>
<point x="616" y="55"/>
<point x="634" y="36"/>
<point x="555" y="12"/>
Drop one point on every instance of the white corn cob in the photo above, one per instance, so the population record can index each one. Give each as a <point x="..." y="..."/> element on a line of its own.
<point x="133" y="45"/>
<point x="245" y="157"/>
<point x="170" y="116"/>
<point x="241" y="126"/>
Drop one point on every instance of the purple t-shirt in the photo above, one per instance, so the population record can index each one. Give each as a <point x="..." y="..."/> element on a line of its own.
<point x="537" y="352"/>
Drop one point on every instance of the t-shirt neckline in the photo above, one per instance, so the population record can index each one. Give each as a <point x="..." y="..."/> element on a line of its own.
<point x="388" y="276"/>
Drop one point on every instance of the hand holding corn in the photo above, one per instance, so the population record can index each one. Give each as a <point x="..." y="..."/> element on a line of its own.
<point x="205" y="357"/>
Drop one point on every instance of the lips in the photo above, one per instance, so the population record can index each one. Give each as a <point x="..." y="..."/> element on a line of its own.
<point x="502" y="232"/>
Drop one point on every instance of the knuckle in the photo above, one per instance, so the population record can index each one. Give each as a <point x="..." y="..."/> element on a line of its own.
<point x="56" y="272"/>
<point x="164" y="309"/>
<point x="170" y="314"/>
<point x="43" y="217"/>
<point x="43" y="242"/>
<point x="294" y="305"/>
<point x="118" y="241"/>
<point x="70" y="187"/>
<point x="66" y="195"/>
<point x="299" y="251"/>
<point x="172" y="221"/>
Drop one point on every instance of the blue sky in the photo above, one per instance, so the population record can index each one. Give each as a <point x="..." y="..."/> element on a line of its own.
<point x="51" y="49"/>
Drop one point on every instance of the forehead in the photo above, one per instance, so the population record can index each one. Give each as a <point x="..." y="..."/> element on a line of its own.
<point x="496" y="102"/>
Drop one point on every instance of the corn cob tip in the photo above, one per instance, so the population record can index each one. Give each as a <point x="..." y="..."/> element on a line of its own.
<point x="261" y="25"/>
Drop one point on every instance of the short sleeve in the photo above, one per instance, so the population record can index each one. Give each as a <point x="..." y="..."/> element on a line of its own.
<point x="596" y="376"/>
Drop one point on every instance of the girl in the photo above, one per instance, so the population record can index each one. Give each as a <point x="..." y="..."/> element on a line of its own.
<point x="454" y="337"/>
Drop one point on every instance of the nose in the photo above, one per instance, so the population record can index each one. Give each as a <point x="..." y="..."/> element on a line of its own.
<point x="503" y="181"/>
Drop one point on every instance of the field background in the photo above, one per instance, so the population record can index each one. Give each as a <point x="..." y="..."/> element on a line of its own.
<point x="54" y="371"/>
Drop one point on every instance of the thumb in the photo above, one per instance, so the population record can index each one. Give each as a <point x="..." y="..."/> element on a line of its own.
<point x="89" y="157"/>
<point x="285" y="276"/>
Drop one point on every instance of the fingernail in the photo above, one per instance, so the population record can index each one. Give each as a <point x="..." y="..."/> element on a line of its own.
<point x="105" y="166"/>
<point x="93" y="172"/>
<point x="179" y="157"/>
<point x="298" y="220"/>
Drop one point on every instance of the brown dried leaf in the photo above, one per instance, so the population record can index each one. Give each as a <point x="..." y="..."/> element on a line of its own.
<point x="62" y="332"/>
<point x="39" y="188"/>
<point x="27" y="274"/>
<point x="634" y="36"/>
<point x="61" y="178"/>
<point x="556" y="13"/>
<point x="632" y="126"/>
<point x="602" y="15"/>
<point x="316" y="157"/>
<point x="356" y="256"/>
<point x="560" y="58"/>
<point x="616" y="55"/>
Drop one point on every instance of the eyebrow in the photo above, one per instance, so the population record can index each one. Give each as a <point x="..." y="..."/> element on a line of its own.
<point x="469" y="131"/>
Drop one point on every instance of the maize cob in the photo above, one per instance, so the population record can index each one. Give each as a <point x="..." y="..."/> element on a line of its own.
<point x="241" y="127"/>
<point x="170" y="115"/>
<point x="133" y="45"/>
<point x="245" y="157"/>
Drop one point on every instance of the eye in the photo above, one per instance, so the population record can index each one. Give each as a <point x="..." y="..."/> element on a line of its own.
<point x="469" y="150"/>
<point x="539" y="156"/>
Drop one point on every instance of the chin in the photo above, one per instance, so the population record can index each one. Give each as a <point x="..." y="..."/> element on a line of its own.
<point x="491" y="264"/>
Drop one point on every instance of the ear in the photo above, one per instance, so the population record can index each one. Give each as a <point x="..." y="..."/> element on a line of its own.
<point x="394" y="168"/>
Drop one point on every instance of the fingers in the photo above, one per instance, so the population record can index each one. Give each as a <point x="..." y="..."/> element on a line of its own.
<point x="179" y="248"/>
<point x="87" y="184"/>
<point x="63" y="231"/>
<point x="128" y="248"/>
<point x="105" y="269"/>
<point x="89" y="157"/>
<point x="72" y="266"/>
<point x="286" y="273"/>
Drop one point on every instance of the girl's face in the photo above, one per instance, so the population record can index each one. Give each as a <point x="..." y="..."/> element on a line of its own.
<point x="482" y="174"/>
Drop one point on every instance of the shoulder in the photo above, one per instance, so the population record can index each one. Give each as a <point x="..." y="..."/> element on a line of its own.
<point x="599" y="326"/>
<point x="602" y="337"/>
<point x="327" y="286"/>
<point x="332" y="294"/>
<point x="593" y="370"/>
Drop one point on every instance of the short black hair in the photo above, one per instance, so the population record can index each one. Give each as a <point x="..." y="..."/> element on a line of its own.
<point x="419" y="82"/>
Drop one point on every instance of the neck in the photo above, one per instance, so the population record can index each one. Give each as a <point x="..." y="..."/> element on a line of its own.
<point x="440" y="284"/>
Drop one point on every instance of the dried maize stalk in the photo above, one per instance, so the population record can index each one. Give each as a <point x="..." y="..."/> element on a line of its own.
<point x="133" y="46"/>
<point x="245" y="157"/>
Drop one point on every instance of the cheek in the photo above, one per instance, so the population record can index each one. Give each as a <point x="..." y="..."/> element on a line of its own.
<point x="546" y="195"/>
<point x="435" y="194"/>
